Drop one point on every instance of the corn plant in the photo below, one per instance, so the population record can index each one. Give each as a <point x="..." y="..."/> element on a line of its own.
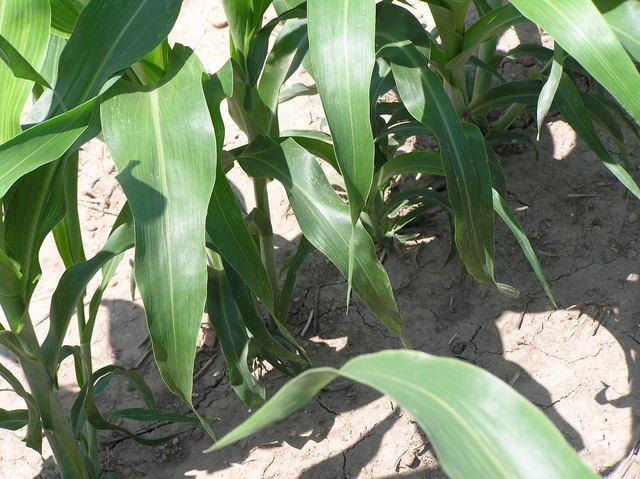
<point x="104" y="69"/>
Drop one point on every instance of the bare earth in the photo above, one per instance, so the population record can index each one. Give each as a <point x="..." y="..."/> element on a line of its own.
<point x="577" y="363"/>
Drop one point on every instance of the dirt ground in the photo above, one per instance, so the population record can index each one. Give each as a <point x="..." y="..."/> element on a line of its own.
<point x="577" y="363"/>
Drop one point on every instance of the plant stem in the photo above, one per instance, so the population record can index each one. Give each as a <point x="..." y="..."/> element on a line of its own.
<point x="265" y="237"/>
<point x="87" y="371"/>
<point x="483" y="78"/>
<point x="504" y="122"/>
<point x="56" y="425"/>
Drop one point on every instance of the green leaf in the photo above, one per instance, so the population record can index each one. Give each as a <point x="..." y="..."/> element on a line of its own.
<point x="324" y="220"/>
<point x="486" y="28"/>
<point x="425" y="162"/>
<point x="20" y="66"/>
<point x="163" y="144"/>
<point x="33" y="439"/>
<point x="525" y="92"/>
<point x="571" y="105"/>
<point x="342" y="52"/>
<point x="151" y="415"/>
<point x="64" y="14"/>
<point x="293" y="265"/>
<point x="464" y="158"/>
<point x="478" y="425"/>
<point x="13" y="420"/>
<point x="229" y="234"/>
<point x="71" y="287"/>
<point x="227" y="323"/>
<point x="24" y="27"/>
<point x="502" y="208"/>
<point x="109" y="36"/>
<point x="583" y="32"/>
<point x="550" y="87"/>
<point x="42" y="144"/>
<point x="623" y="17"/>
<point x="288" y="50"/>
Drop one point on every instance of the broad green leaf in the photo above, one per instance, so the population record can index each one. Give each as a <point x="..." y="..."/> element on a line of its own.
<point x="425" y="162"/>
<point x="72" y="285"/>
<point x="255" y="325"/>
<point x="20" y="66"/>
<point x="571" y="105"/>
<point x="109" y="36"/>
<point x="24" y="26"/>
<point x="227" y="323"/>
<point x="502" y="208"/>
<point x="325" y="221"/>
<point x="525" y="92"/>
<point x="478" y="425"/>
<point x="64" y="15"/>
<point x="33" y="206"/>
<point x="464" y="157"/>
<point x="550" y="87"/>
<point x="342" y="52"/>
<point x="583" y="32"/>
<point x="13" y="420"/>
<point x="33" y="439"/>
<point x="285" y="57"/>
<point x="226" y="227"/>
<point x="42" y="144"/>
<point x="624" y="18"/>
<point x="315" y="142"/>
<point x="163" y="144"/>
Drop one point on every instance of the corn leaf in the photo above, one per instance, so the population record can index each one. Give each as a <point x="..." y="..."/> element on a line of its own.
<point x="478" y="425"/>
<point x="24" y="27"/>
<point x="583" y="32"/>
<point x="572" y="107"/>
<point x="345" y="32"/>
<point x="109" y="36"/>
<point x="19" y="65"/>
<point x="324" y="220"/>
<point x="228" y="325"/>
<point x="33" y="439"/>
<point x="550" y="87"/>
<point x="64" y="15"/>
<point x="624" y="19"/>
<point x="42" y="144"/>
<point x="71" y="287"/>
<point x="163" y="144"/>
<point x="464" y="156"/>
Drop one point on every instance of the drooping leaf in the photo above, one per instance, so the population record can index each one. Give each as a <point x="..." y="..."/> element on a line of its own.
<point x="163" y="144"/>
<point x="345" y="33"/>
<point x="71" y="286"/>
<point x="502" y="208"/>
<point x="109" y="36"/>
<point x="64" y="15"/>
<point x="571" y="105"/>
<point x="525" y="92"/>
<point x="580" y="28"/>
<point x="42" y="144"/>
<point x="550" y="87"/>
<point x="24" y="27"/>
<point x="33" y="439"/>
<point x="464" y="156"/>
<point x="227" y="323"/>
<point x="624" y="19"/>
<point x="20" y="66"/>
<point x="478" y="425"/>
<point x="325" y="221"/>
